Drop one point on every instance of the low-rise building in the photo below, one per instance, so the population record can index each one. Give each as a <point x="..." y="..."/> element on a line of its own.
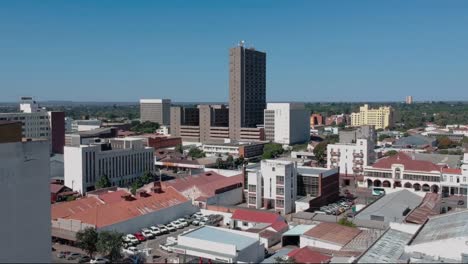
<point x="330" y="236"/>
<point x="247" y="150"/>
<point x="85" y="125"/>
<point x="401" y="171"/>
<point x="351" y="158"/>
<point x="121" y="160"/>
<point x="208" y="244"/>
<point x="118" y="210"/>
<point x="274" y="185"/>
<point x="159" y="142"/>
<point x="353" y="134"/>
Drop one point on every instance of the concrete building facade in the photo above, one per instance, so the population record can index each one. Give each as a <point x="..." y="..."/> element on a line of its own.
<point x="122" y="160"/>
<point x="363" y="132"/>
<point x="25" y="201"/>
<point x="247" y="89"/>
<point x="350" y="158"/>
<point x="274" y="185"/>
<point x="155" y="110"/>
<point x="286" y="123"/>
<point x="380" y="118"/>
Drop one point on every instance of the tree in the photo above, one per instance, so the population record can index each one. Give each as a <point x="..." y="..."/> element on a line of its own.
<point x="390" y="153"/>
<point x="196" y="153"/>
<point x="145" y="127"/>
<point x="179" y="149"/>
<point x="230" y="161"/>
<point x="87" y="239"/>
<point x="109" y="244"/>
<point x="272" y="150"/>
<point x="444" y="142"/>
<point x="320" y="152"/>
<point x="220" y="163"/>
<point x="103" y="182"/>
<point x="146" y="178"/>
<point x="345" y="222"/>
<point x="383" y="136"/>
<point x="134" y="188"/>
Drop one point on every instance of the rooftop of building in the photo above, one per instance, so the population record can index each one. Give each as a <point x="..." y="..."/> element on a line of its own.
<point x="315" y="171"/>
<point x="115" y="207"/>
<point x="408" y="162"/>
<point x="224" y="236"/>
<point x="308" y="255"/>
<point x="391" y="206"/>
<point x="333" y="233"/>
<point x="452" y="171"/>
<point x="442" y="227"/>
<point x="96" y="132"/>
<point x="5" y="122"/>
<point x="235" y="144"/>
<point x="388" y="248"/>
<point x="415" y="140"/>
<point x="279" y="253"/>
<point x="298" y="230"/>
<point x="256" y="216"/>
<point x="207" y="184"/>
<point x="452" y="161"/>
<point x="428" y="207"/>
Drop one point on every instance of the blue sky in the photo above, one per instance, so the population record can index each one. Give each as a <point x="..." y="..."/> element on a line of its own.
<point x="316" y="50"/>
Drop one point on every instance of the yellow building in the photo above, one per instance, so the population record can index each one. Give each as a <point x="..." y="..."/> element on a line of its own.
<point x="381" y="118"/>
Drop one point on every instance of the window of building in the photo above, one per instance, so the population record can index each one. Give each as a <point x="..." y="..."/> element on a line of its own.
<point x="279" y="190"/>
<point x="252" y="188"/>
<point x="464" y="179"/>
<point x="273" y="168"/>
<point x="279" y="179"/>
<point x="451" y="178"/>
<point x="458" y="179"/>
<point x="245" y="223"/>
<point x="280" y="203"/>
<point x="252" y="200"/>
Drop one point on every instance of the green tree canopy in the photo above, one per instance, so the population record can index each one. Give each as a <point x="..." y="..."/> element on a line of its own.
<point x="87" y="239"/>
<point x="145" y="127"/>
<point x="109" y="244"/>
<point x="196" y="153"/>
<point x="272" y="150"/>
<point x="383" y="136"/>
<point x="390" y="153"/>
<point x="103" y="182"/>
<point x="179" y="149"/>
<point x="320" y="152"/>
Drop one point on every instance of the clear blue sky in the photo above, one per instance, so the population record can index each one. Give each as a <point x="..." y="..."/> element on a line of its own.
<point x="111" y="50"/>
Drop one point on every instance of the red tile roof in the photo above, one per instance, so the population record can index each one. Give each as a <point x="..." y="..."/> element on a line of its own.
<point x="112" y="197"/>
<point x="452" y="171"/>
<point x="407" y="162"/>
<point x="308" y="255"/>
<point x="93" y="211"/>
<point x="333" y="233"/>
<point x="256" y="216"/>
<point x="207" y="184"/>
<point x="279" y="226"/>
<point x="428" y="207"/>
<point x="55" y="188"/>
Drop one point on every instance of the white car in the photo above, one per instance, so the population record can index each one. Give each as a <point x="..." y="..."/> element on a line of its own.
<point x="178" y="224"/>
<point x="183" y="221"/>
<point x="171" y="227"/>
<point x="132" y="239"/>
<point x="155" y="231"/>
<point x="166" y="247"/>
<point x="99" y="260"/>
<point x="131" y="251"/>
<point x="197" y="214"/>
<point x="147" y="233"/>
<point x="163" y="229"/>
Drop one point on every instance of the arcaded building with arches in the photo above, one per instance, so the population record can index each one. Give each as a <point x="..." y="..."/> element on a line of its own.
<point x="402" y="171"/>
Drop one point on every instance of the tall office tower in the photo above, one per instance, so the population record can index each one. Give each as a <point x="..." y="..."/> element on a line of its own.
<point x="247" y="89"/>
<point x="155" y="110"/>
<point x="287" y="123"/>
<point x="24" y="197"/>
<point x="409" y="99"/>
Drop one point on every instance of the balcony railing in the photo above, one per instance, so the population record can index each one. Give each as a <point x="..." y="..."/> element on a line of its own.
<point x="360" y="162"/>
<point x="358" y="155"/>
<point x="335" y="153"/>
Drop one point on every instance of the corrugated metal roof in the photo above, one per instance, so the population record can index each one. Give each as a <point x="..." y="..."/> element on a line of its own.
<point x="219" y="235"/>
<point x="443" y="227"/>
<point x="298" y="230"/>
<point x="387" y="249"/>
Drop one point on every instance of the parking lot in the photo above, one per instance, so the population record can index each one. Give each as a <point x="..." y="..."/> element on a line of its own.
<point x="156" y="254"/>
<point x="342" y="206"/>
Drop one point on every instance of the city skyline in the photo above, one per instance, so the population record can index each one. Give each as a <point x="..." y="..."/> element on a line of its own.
<point x="358" y="52"/>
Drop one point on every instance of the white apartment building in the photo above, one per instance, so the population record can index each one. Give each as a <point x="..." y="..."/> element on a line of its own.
<point x="35" y="120"/>
<point x="274" y="185"/>
<point x="122" y="160"/>
<point x="455" y="181"/>
<point x="287" y="123"/>
<point x="155" y="110"/>
<point x="351" y="158"/>
<point x="25" y="202"/>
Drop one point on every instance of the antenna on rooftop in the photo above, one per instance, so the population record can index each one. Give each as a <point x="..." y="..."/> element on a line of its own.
<point x="241" y="43"/>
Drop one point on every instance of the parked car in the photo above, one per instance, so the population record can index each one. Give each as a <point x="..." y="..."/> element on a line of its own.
<point x="183" y="221"/>
<point x="166" y="247"/>
<point x="178" y="224"/>
<point x="63" y="254"/>
<point x="73" y="256"/>
<point x="132" y="239"/>
<point x="155" y="231"/>
<point x="99" y="260"/>
<point x="130" y="251"/>
<point x="140" y="236"/>
<point x="171" y="227"/>
<point x="163" y="229"/>
<point x="84" y="259"/>
<point x="147" y="233"/>
<point x="198" y="214"/>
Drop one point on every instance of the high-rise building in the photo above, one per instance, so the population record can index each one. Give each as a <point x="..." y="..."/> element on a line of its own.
<point x="122" y="160"/>
<point x="287" y="123"/>
<point x="155" y="110"/>
<point x="57" y="131"/>
<point x="24" y="197"/>
<point x="381" y="118"/>
<point x="247" y="89"/>
<point x="409" y="99"/>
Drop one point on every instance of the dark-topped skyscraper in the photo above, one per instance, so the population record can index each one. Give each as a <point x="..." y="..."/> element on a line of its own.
<point x="247" y="89"/>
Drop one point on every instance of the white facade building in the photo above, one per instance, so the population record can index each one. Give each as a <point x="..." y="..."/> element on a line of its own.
<point x="455" y="181"/>
<point x="25" y="202"/>
<point x="85" y="125"/>
<point x="273" y="186"/>
<point x="35" y="120"/>
<point x="122" y="160"/>
<point x="351" y="158"/>
<point x="287" y="123"/>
